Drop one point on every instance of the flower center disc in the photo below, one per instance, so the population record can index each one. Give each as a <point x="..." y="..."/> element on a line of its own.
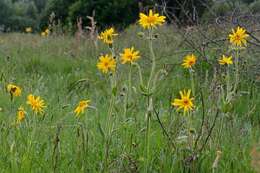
<point x="186" y="102"/>
<point x="151" y="19"/>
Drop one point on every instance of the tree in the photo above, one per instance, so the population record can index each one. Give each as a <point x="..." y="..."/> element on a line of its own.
<point x="5" y="13"/>
<point x="118" y="13"/>
<point x="113" y="12"/>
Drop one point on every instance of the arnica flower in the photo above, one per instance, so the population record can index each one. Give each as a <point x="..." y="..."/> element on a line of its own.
<point x="189" y="61"/>
<point x="36" y="103"/>
<point x="129" y="55"/>
<point x="225" y="60"/>
<point x="238" y="37"/>
<point x="14" y="90"/>
<point x="81" y="107"/>
<point x="28" y="29"/>
<point x="185" y="102"/>
<point x="151" y="20"/>
<point x="106" y="63"/>
<point x="107" y="36"/>
<point x="45" y="33"/>
<point x="20" y="114"/>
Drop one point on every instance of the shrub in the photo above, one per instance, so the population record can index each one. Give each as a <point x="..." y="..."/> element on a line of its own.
<point x="255" y="7"/>
<point x="119" y="13"/>
<point x="113" y="12"/>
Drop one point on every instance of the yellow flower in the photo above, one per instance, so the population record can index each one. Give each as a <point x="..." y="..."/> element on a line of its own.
<point x="152" y="20"/>
<point x="106" y="63"/>
<point x="14" y="90"/>
<point x="238" y="37"/>
<point x="20" y="114"/>
<point x="47" y="31"/>
<point x="189" y="61"/>
<point x="129" y="55"/>
<point x="107" y="36"/>
<point x="28" y="29"/>
<point x="36" y="103"/>
<point x="185" y="102"/>
<point x="225" y="60"/>
<point x="81" y="107"/>
<point x="43" y="34"/>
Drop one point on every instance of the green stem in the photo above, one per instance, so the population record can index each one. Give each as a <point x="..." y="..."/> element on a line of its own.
<point x="156" y="78"/>
<point x="109" y="127"/>
<point x="192" y="81"/>
<point x="153" y="60"/>
<point x="228" y="86"/>
<point x="150" y="101"/>
<point x="189" y="127"/>
<point x="129" y="91"/>
<point x="148" y="129"/>
<point x="140" y="73"/>
<point x="237" y="71"/>
<point x="130" y="83"/>
<point x="110" y="122"/>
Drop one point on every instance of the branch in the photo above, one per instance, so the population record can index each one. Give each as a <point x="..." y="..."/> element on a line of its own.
<point x="163" y="128"/>
<point x="210" y="132"/>
<point x="203" y="119"/>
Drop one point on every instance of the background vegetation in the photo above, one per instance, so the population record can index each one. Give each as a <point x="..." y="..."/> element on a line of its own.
<point x="15" y="15"/>
<point x="61" y="143"/>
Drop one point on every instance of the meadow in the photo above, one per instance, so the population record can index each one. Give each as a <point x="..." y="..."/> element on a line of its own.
<point x="129" y="126"/>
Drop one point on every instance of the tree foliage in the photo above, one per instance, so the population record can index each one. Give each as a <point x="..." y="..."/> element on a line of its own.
<point x="112" y="12"/>
<point x="15" y="15"/>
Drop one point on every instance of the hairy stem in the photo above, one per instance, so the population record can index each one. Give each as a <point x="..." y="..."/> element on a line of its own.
<point x="236" y="72"/>
<point x="153" y="60"/>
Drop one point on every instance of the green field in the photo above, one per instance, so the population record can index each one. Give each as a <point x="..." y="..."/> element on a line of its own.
<point x="114" y="133"/>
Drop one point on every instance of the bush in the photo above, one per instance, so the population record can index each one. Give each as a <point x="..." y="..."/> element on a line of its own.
<point x="187" y="11"/>
<point x="19" y="23"/>
<point x="17" y="15"/>
<point x="255" y="7"/>
<point x="219" y="9"/>
<point x="114" y="12"/>
<point x="119" y="13"/>
<point x="5" y="13"/>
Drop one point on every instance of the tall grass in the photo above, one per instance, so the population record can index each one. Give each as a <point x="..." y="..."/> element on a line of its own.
<point x="62" y="71"/>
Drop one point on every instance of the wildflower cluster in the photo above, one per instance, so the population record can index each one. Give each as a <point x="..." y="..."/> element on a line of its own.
<point x="184" y="102"/>
<point x="37" y="104"/>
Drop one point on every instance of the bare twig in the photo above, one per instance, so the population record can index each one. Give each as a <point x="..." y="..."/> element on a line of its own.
<point x="210" y="132"/>
<point x="163" y="129"/>
<point x="203" y="120"/>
